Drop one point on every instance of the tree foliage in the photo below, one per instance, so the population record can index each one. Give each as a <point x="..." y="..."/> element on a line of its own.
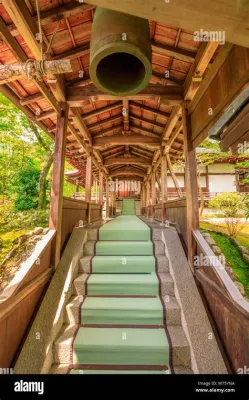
<point x="24" y="150"/>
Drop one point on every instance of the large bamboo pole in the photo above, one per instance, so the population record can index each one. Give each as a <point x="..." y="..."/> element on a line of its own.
<point x="33" y="69"/>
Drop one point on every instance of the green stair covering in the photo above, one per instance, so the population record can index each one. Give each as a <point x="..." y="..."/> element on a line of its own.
<point x="128" y="207"/>
<point x="125" y="227"/>
<point x="122" y="265"/>
<point x="122" y="331"/>
<point x="122" y="311"/>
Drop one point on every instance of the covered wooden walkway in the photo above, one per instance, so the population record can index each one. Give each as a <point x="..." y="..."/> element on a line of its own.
<point x="193" y="87"/>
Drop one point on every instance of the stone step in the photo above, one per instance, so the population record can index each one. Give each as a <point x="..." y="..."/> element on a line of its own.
<point x="123" y="248"/>
<point x="123" y="285"/>
<point x="96" y="310"/>
<point x="104" y="345"/>
<point x="162" y="264"/>
<point x="62" y="369"/>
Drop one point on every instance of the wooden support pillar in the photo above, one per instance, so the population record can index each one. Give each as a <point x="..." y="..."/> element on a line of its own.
<point x="153" y="192"/>
<point x="88" y="186"/>
<point x="113" y="199"/>
<point x="55" y="221"/>
<point x="107" y="198"/>
<point x="191" y="185"/>
<point x="164" y="185"/>
<point x="101" y="183"/>
<point x="143" y="196"/>
<point x="147" y="198"/>
<point x="178" y="189"/>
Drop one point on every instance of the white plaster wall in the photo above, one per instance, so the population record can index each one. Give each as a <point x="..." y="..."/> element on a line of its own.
<point x="222" y="183"/>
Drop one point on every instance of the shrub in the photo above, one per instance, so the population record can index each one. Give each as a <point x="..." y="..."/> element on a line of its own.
<point x="231" y="206"/>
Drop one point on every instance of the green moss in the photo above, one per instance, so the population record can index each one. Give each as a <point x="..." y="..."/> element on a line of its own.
<point x="242" y="238"/>
<point x="7" y="241"/>
<point x="234" y="258"/>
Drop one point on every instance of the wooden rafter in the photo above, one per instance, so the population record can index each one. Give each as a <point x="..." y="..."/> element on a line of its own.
<point x="22" y="19"/>
<point x="127" y="160"/>
<point x="124" y="140"/>
<point x="194" y="78"/>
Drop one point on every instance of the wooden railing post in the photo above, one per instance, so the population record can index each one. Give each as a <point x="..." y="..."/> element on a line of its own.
<point x="57" y="182"/>
<point x="107" y="198"/>
<point x="153" y="192"/>
<point x="164" y="185"/>
<point x="101" y="183"/>
<point x="88" y="186"/>
<point x="191" y="185"/>
<point x="147" y="198"/>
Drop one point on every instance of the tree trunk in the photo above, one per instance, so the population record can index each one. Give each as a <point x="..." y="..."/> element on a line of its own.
<point x="42" y="181"/>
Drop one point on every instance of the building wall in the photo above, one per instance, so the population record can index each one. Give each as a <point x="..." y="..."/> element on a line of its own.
<point x="222" y="183"/>
<point x="221" y="178"/>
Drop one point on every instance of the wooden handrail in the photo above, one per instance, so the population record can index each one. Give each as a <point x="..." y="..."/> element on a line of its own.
<point x="230" y="288"/>
<point x="10" y="303"/>
<point x="230" y="303"/>
<point x="26" y="267"/>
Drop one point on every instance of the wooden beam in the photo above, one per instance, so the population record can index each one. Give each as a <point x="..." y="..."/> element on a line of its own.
<point x="230" y="81"/>
<point x="178" y="129"/>
<point x="125" y="140"/>
<point x="55" y="14"/>
<point x="74" y="53"/>
<point x="194" y="78"/>
<point x="21" y="56"/>
<point x="78" y="138"/>
<point x="58" y="182"/>
<point x="178" y="189"/>
<point x="127" y="160"/>
<point x="191" y="186"/>
<point x="104" y="121"/>
<point x="170" y="51"/>
<point x="126" y="116"/>
<point x="208" y="15"/>
<point x="98" y="156"/>
<point x="173" y="119"/>
<point x="81" y="125"/>
<point x="107" y="132"/>
<point x="31" y="99"/>
<point x="165" y="94"/>
<point x="124" y="171"/>
<point x="144" y="131"/>
<point x="217" y="64"/>
<point x="148" y="121"/>
<point x="102" y="110"/>
<point x="46" y="115"/>
<point x="150" y="109"/>
<point x="21" y="17"/>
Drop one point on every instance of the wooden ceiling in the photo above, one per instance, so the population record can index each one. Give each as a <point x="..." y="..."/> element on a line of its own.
<point x="125" y="135"/>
